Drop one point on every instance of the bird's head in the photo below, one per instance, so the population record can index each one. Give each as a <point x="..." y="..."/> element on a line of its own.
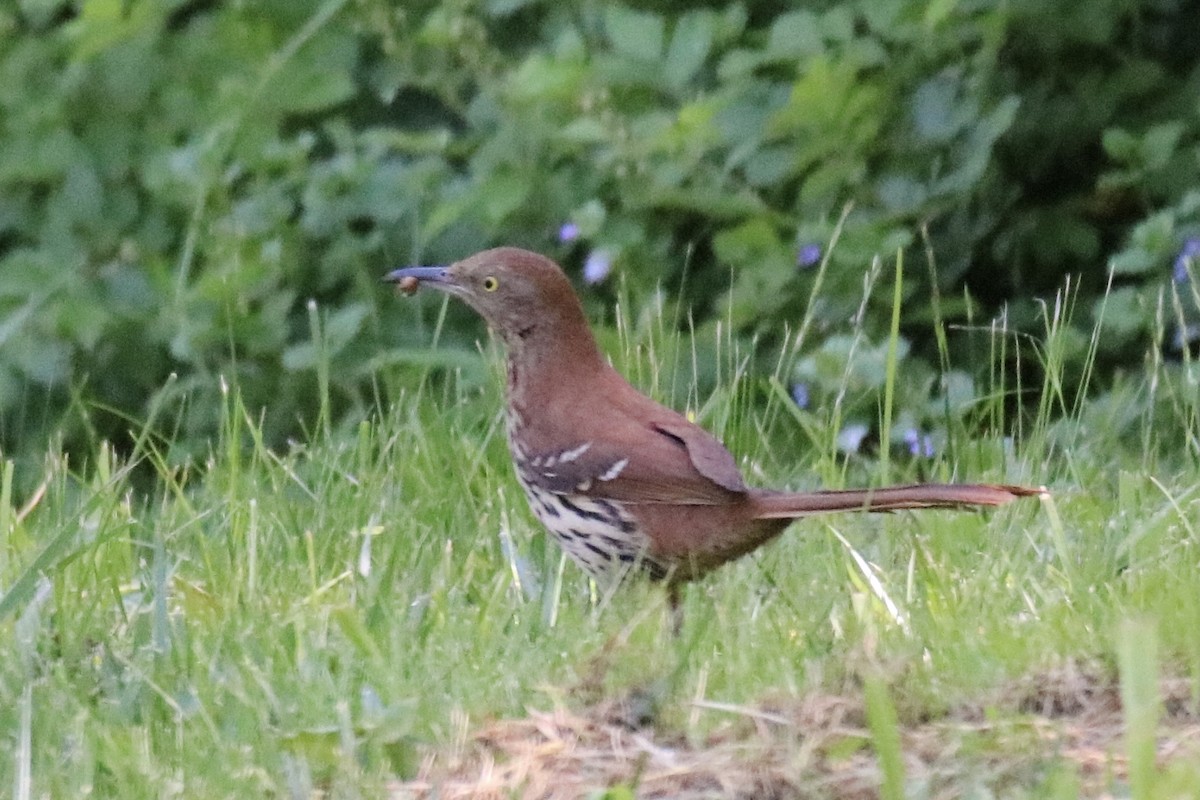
<point x="517" y="292"/>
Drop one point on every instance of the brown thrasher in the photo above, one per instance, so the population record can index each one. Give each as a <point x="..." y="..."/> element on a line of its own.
<point x="622" y="482"/>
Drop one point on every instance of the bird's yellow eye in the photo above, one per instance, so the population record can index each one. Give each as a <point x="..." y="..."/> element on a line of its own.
<point x="490" y="284"/>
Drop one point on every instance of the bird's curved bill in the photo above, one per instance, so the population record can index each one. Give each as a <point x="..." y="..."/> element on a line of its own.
<point x="432" y="275"/>
<point x="409" y="279"/>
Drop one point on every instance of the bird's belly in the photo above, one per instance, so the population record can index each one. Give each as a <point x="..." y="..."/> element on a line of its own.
<point x="599" y="535"/>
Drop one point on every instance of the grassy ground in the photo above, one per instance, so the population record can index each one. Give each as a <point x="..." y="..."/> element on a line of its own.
<point x="374" y="612"/>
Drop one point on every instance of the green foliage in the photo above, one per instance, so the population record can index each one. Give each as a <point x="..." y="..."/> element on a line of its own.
<point x="178" y="180"/>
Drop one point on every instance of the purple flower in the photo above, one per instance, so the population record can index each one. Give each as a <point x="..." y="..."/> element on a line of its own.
<point x="850" y="438"/>
<point x="808" y="254"/>
<point x="1185" y="335"/>
<point x="800" y="394"/>
<point x="919" y="444"/>
<point x="597" y="267"/>
<point x="1189" y="255"/>
<point x="569" y="232"/>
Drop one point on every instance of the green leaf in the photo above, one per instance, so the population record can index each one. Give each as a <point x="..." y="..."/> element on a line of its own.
<point x="502" y="194"/>
<point x="585" y="130"/>
<point x="502" y="8"/>
<point x="762" y="263"/>
<point x="937" y="109"/>
<point x="38" y="155"/>
<point x="1150" y="241"/>
<point x="445" y="214"/>
<point x="714" y="203"/>
<point x="797" y="33"/>
<point x="38" y="13"/>
<point x="937" y="11"/>
<point x="1160" y="143"/>
<point x="736" y="64"/>
<point x="344" y="324"/>
<point x="1124" y="315"/>
<point x="690" y="45"/>
<point x="768" y="166"/>
<point x="635" y="34"/>
<point x="541" y="78"/>
<point x="337" y="332"/>
<point x="1120" y="145"/>
<point x="1132" y="261"/>
<point x="748" y="243"/>
<point x="997" y="121"/>
<point x="103" y="24"/>
<point x="319" y="76"/>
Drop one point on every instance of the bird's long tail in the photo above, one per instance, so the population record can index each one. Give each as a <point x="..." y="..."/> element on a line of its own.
<point x="787" y="505"/>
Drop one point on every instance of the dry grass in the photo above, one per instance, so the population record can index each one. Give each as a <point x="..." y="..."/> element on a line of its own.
<point x="1068" y="718"/>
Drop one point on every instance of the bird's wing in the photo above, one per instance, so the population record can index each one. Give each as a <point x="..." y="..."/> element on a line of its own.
<point x="708" y="456"/>
<point x="663" y="460"/>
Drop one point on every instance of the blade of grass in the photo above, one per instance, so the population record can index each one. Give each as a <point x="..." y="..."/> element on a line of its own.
<point x="320" y="343"/>
<point x="68" y="542"/>
<point x="23" y="778"/>
<point x="810" y="307"/>
<point x="6" y="510"/>
<point x="889" y="385"/>
<point x="1137" y="660"/>
<point x="885" y="735"/>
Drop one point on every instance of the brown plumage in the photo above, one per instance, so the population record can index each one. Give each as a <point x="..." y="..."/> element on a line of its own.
<point x="622" y="482"/>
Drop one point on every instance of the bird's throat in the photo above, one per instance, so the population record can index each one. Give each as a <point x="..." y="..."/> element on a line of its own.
<point x="539" y="367"/>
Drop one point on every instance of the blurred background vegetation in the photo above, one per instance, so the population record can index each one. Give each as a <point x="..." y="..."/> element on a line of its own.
<point x="197" y="193"/>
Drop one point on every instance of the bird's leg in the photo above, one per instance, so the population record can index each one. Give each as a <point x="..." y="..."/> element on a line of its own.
<point x="675" y="607"/>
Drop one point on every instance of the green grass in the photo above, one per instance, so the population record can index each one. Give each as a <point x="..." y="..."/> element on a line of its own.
<point x="321" y="619"/>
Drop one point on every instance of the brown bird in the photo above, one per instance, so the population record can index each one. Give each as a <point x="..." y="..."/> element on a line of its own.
<point x="623" y="483"/>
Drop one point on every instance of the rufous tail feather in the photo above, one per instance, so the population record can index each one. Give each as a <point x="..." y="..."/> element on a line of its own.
<point x="783" y="505"/>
